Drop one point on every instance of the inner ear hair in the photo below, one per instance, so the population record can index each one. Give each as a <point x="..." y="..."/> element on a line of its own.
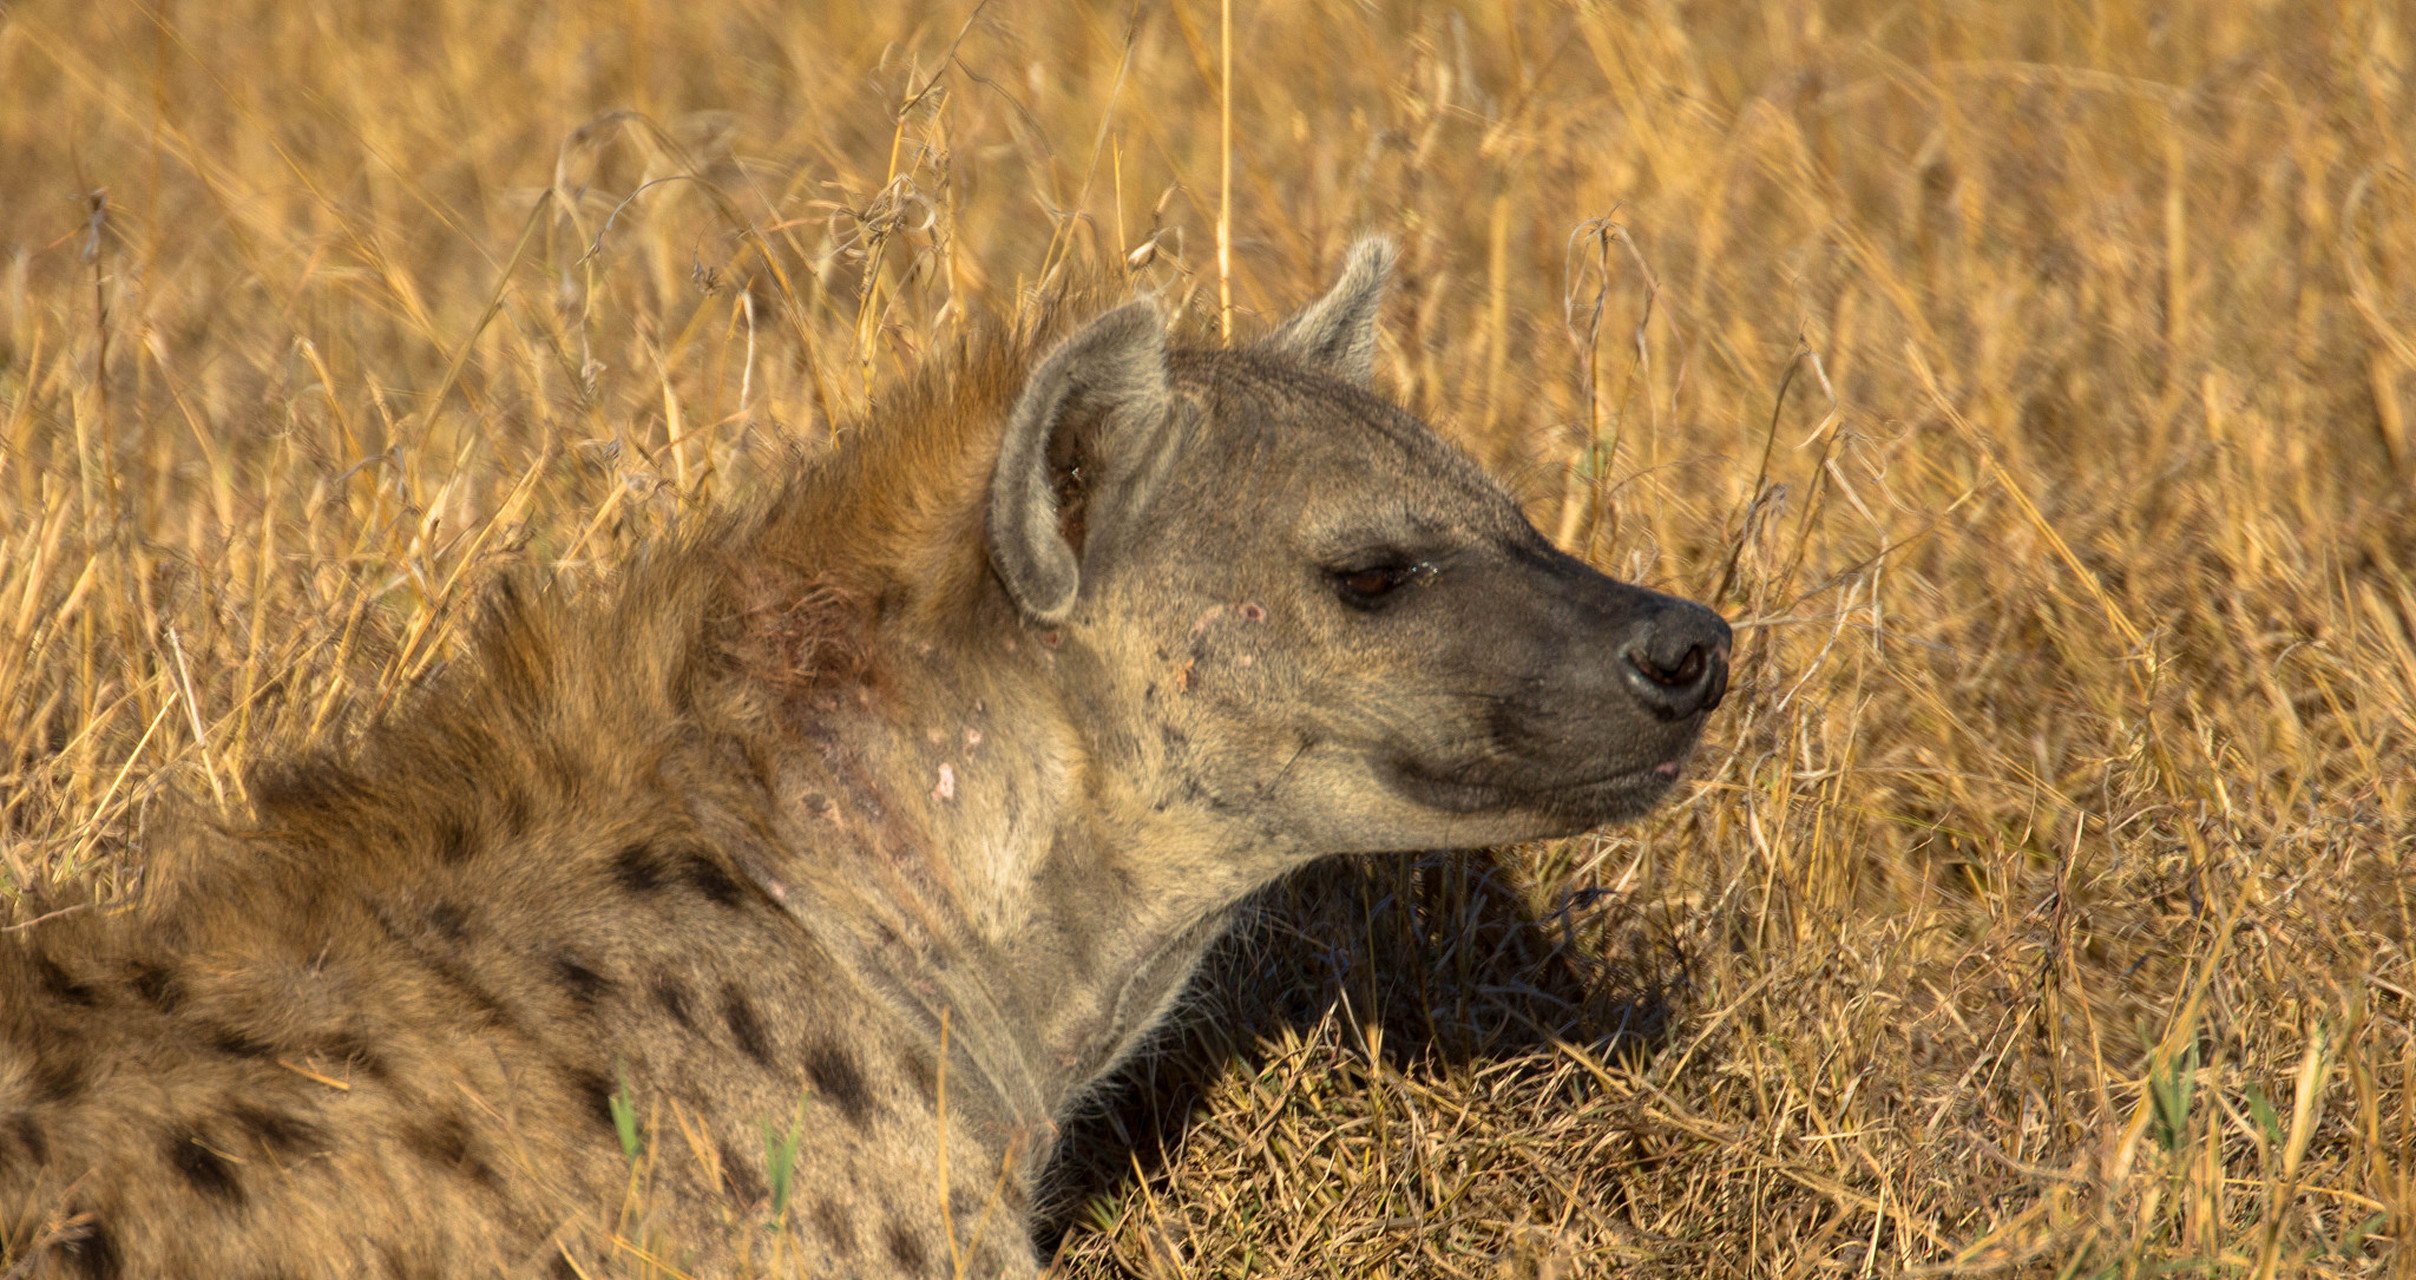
<point x="1099" y="400"/>
<point x="1072" y="473"/>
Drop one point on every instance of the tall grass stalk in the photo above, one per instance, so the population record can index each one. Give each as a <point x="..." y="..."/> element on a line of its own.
<point x="2031" y="385"/>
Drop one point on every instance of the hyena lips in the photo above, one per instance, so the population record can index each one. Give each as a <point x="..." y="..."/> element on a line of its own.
<point x="882" y="820"/>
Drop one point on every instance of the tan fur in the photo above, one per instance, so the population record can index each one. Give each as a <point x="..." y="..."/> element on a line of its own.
<point x="801" y="827"/>
<point x="201" y="1030"/>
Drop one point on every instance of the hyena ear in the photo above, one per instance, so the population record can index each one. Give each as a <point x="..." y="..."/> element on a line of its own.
<point x="1337" y="333"/>
<point x="1085" y="446"/>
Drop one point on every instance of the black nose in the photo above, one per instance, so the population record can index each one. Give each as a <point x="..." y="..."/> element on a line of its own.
<point x="1677" y="660"/>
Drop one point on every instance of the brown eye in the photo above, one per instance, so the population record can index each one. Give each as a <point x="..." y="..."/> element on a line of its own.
<point x="1367" y="588"/>
<point x="1370" y="582"/>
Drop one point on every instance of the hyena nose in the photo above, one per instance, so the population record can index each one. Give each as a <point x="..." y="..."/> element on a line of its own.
<point x="1677" y="660"/>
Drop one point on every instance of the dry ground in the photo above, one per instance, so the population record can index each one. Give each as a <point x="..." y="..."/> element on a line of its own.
<point x="2032" y="383"/>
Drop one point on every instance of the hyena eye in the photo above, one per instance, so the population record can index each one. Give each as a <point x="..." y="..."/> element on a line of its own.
<point x="1372" y="585"/>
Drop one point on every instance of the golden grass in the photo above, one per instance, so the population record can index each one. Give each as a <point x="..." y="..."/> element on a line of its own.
<point x="2034" y="388"/>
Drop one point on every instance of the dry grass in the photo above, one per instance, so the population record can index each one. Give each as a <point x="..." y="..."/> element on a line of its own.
<point x="2043" y="905"/>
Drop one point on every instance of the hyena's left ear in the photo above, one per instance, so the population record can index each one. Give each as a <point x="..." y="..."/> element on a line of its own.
<point x="1090" y="441"/>
<point x="1337" y="333"/>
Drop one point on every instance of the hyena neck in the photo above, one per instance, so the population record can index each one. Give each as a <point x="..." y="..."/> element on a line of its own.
<point x="982" y="874"/>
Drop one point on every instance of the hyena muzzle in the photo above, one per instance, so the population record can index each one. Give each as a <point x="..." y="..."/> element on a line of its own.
<point x="766" y="911"/>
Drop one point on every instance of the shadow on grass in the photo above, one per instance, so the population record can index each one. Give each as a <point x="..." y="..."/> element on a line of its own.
<point x="1439" y="952"/>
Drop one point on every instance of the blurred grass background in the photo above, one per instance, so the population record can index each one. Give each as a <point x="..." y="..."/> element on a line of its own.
<point x="2031" y="383"/>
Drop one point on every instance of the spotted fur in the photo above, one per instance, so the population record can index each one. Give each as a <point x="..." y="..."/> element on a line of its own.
<point x="889" y="813"/>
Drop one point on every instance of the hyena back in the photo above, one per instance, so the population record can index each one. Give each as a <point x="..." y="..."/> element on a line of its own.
<point x="875" y="825"/>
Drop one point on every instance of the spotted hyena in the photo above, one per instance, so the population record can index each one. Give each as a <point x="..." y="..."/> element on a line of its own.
<point x="873" y="826"/>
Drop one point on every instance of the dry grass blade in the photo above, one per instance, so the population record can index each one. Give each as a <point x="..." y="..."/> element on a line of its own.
<point x="2044" y="905"/>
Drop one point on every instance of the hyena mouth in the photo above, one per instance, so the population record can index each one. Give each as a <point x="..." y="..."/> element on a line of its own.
<point x="1621" y="793"/>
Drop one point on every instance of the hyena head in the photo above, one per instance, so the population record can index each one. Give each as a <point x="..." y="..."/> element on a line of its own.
<point x="1315" y="619"/>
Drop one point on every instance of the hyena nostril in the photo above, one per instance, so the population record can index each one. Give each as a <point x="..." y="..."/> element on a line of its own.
<point x="1689" y="669"/>
<point x="1676" y="658"/>
<point x="1675" y="684"/>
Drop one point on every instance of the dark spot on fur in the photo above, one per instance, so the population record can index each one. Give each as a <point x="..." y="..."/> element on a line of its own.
<point x="94" y="1253"/>
<point x="593" y="1089"/>
<point x="515" y="812"/>
<point x="836" y="1078"/>
<point x="745" y="1027"/>
<point x="58" y="1080"/>
<point x="454" y="844"/>
<point x="392" y="1257"/>
<point x="448" y="970"/>
<point x="638" y="868"/>
<point x="921" y="1070"/>
<point x="674" y="998"/>
<point x="746" y="1185"/>
<point x="469" y="989"/>
<point x="711" y="881"/>
<point x="449" y="920"/>
<point x="29" y="1136"/>
<point x="312" y="786"/>
<point x="351" y="1048"/>
<point x="904" y="1249"/>
<point x="277" y="1131"/>
<point x="562" y="1269"/>
<point x="204" y="1170"/>
<point x="586" y="986"/>
<point x="834" y="1227"/>
<point x="60" y="984"/>
<point x="235" y="1044"/>
<point x="445" y="1143"/>
<point x="1012" y="1195"/>
<point x="155" y="985"/>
